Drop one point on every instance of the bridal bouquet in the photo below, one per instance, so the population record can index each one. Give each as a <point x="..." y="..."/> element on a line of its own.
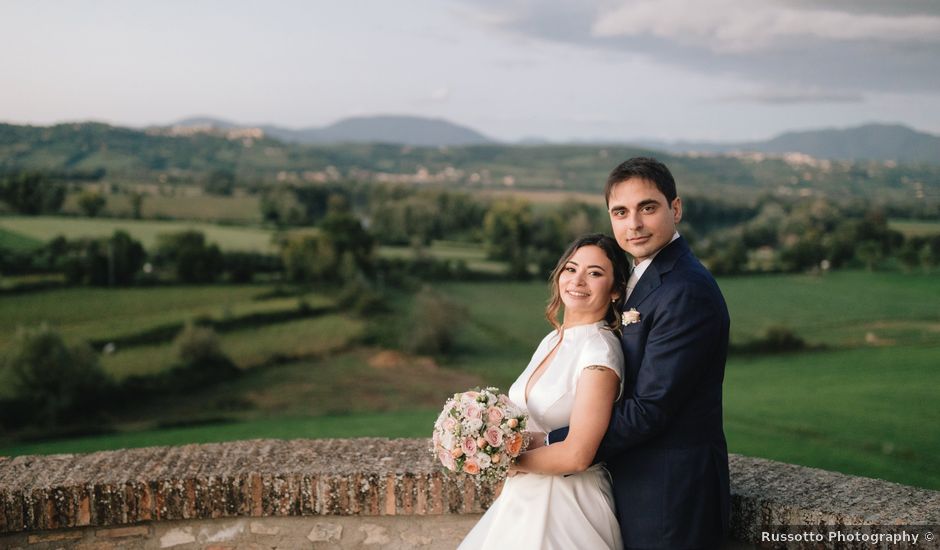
<point x="479" y="432"/>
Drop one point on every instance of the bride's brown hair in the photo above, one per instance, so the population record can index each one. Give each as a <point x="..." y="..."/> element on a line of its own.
<point x="618" y="259"/>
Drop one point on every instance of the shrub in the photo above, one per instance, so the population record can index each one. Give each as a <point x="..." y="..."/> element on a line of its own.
<point x="197" y="345"/>
<point x="776" y="339"/>
<point x="58" y="382"/>
<point x="360" y="298"/>
<point x="91" y="203"/>
<point x="202" y="360"/>
<point x="435" y="322"/>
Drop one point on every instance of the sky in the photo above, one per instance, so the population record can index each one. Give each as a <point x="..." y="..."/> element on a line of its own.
<point x="564" y="70"/>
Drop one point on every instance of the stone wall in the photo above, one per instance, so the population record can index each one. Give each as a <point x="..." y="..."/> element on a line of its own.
<point x="360" y="493"/>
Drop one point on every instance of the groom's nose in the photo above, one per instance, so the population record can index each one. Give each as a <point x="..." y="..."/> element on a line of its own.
<point x="635" y="221"/>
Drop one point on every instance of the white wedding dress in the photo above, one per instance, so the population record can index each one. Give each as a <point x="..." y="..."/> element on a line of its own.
<point x="545" y="512"/>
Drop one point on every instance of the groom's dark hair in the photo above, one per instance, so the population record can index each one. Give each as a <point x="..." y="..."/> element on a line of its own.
<point x="646" y="168"/>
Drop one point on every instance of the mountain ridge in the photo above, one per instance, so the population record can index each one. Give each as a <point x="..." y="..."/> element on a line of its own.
<point x="399" y="129"/>
<point x="873" y="141"/>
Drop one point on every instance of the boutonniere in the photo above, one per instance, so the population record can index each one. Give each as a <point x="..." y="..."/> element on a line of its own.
<point x="630" y="317"/>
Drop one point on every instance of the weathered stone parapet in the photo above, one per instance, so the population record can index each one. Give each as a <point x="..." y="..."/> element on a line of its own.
<point x="260" y="478"/>
<point x="767" y="495"/>
<point x="352" y="493"/>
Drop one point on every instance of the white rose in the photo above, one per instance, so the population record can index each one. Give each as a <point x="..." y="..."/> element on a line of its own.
<point x="473" y="425"/>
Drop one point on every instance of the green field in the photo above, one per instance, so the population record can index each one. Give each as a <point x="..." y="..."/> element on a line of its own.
<point x="248" y="348"/>
<point x="44" y="228"/>
<point x="28" y="232"/>
<point x="386" y="424"/>
<point x="205" y="208"/>
<point x="862" y="403"/>
<point x="11" y="240"/>
<point x="472" y="254"/>
<point x="101" y="314"/>
<point x="915" y="228"/>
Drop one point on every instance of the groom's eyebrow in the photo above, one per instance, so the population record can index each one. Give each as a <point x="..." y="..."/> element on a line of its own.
<point x="639" y="205"/>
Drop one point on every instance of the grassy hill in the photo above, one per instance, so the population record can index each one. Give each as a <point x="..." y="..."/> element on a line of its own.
<point x="122" y="154"/>
<point x="861" y="403"/>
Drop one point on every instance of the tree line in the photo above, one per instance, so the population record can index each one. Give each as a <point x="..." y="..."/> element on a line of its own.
<point x="328" y="233"/>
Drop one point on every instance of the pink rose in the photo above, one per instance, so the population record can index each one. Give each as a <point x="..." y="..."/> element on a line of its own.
<point x="474" y="411"/>
<point x="494" y="415"/>
<point x="469" y="446"/>
<point x="449" y="424"/>
<point x="494" y="436"/>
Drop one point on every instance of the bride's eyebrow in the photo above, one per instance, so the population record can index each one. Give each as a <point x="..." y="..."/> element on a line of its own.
<point x="589" y="267"/>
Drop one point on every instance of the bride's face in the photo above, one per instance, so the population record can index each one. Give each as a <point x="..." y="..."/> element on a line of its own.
<point x="585" y="285"/>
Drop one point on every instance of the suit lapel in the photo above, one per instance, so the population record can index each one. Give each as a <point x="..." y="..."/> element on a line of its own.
<point x="652" y="277"/>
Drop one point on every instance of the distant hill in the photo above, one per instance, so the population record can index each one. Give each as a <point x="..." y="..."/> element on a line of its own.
<point x="880" y="142"/>
<point x="190" y="155"/>
<point x="404" y="130"/>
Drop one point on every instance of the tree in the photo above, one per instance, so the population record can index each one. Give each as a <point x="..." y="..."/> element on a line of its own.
<point x="137" y="205"/>
<point x="309" y="258"/>
<point x="103" y="262"/>
<point x="346" y="233"/>
<point x="91" y="203"/>
<point x="338" y="251"/>
<point x="193" y="260"/>
<point x="280" y="206"/>
<point x="220" y="182"/>
<point x="32" y="193"/>
<point x="507" y="229"/>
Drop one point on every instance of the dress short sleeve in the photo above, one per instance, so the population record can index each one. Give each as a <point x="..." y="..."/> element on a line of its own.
<point x="602" y="348"/>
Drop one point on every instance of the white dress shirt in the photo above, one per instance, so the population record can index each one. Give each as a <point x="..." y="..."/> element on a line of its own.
<point x="640" y="268"/>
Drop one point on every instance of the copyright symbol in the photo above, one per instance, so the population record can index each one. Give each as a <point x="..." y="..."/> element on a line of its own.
<point x="928" y="536"/>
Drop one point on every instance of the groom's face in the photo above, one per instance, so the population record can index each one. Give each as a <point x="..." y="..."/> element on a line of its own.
<point x="642" y="219"/>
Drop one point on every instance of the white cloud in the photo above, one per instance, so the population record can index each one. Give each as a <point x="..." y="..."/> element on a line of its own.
<point x="440" y="94"/>
<point x="733" y="26"/>
<point x="789" y="96"/>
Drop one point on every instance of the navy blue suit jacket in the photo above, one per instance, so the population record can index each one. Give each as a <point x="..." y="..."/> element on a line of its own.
<point x="665" y="446"/>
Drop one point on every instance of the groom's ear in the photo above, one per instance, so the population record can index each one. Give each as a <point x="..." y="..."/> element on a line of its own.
<point x="677" y="209"/>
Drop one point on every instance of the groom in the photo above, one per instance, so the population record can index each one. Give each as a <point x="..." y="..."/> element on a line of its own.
<point x="665" y="446"/>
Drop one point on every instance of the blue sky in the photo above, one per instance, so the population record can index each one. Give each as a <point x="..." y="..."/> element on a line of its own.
<point x="562" y="70"/>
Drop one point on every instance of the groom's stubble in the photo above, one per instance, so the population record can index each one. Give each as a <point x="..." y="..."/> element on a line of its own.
<point x="641" y="218"/>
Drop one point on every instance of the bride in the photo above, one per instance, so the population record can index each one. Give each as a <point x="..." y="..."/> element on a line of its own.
<point x="554" y="498"/>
